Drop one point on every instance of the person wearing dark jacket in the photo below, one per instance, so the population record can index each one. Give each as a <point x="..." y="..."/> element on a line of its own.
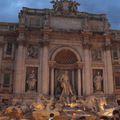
<point x="116" y="115"/>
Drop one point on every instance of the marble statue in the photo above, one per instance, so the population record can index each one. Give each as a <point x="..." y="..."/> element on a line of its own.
<point x="73" y="6"/>
<point x="65" y="84"/>
<point x="32" y="81"/>
<point x="65" y="5"/>
<point x="98" y="82"/>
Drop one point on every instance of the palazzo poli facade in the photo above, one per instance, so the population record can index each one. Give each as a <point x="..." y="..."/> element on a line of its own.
<point x="48" y="43"/>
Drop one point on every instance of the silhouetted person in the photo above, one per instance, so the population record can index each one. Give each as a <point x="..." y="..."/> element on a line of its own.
<point x="116" y="115"/>
<point x="51" y="116"/>
<point x="104" y="118"/>
<point x="82" y="118"/>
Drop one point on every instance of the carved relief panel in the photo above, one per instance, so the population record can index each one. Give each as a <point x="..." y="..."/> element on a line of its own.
<point x="32" y="51"/>
<point x="96" y="55"/>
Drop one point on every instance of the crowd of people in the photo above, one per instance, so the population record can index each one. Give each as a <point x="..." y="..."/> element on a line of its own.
<point x="115" y="116"/>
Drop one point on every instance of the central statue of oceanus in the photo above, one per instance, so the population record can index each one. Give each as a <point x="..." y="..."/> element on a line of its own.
<point x="65" y="84"/>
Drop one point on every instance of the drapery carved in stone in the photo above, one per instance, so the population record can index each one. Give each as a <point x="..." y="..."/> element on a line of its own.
<point x="31" y="78"/>
<point x="97" y="80"/>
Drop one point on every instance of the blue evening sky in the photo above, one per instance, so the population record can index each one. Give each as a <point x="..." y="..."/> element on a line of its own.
<point x="9" y="9"/>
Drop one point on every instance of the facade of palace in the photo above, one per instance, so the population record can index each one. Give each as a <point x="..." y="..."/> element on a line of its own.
<point x="51" y="48"/>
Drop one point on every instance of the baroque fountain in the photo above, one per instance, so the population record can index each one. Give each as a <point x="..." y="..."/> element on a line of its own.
<point x="63" y="107"/>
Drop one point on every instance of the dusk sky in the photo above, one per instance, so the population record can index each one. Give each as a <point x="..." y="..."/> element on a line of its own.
<point x="9" y="9"/>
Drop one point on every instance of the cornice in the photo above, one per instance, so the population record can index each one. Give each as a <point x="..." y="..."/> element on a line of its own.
<point x="44" y="43"/>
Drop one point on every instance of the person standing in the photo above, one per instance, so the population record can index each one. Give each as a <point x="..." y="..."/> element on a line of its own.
<point x="51" y="116"/>
<point x="116" y="115"/>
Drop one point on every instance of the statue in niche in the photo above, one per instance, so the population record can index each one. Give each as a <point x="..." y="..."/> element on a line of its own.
<point x="32" y="51"/>
<point x="31" y="81"/>
<point x="96" y="55"/>
<point x="65" y="84"/>
<point x="98" y="79"/>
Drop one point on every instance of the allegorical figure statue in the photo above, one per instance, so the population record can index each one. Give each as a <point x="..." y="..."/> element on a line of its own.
<point x="31" y="81"/>
<point x="98" y="82"/>
<point x="65" y="84"/>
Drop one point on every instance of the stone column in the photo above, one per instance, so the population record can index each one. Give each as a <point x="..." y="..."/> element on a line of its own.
<point x="52" y="66"/>
<point x="87" y="66"/>
<point x="105" y="74"/>
<point x="19" y="65"/>
<point x="52" y="82"/>
<point x="45" y="69"/>
<point x="39" y="86"/>
<point x="73" y="79"/>
<point x="109" y="66"/>
<point x="79" y="82"/>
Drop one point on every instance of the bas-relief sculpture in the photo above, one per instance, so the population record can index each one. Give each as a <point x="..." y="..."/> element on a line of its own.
<point x="32" y="51"/>
<point x="97" y="55"/>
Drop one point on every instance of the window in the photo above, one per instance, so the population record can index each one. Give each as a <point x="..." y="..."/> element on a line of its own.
<point x="6" y="80"/>
<point x="9" y="47"/>
<point x="11" y="27"/>
<point x="119" y="52"/>
<point x="117" y="81"/>
<point x="115" y="53"/>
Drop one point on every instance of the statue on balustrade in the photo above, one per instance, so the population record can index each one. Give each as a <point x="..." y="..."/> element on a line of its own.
<point x="63" y="6"/>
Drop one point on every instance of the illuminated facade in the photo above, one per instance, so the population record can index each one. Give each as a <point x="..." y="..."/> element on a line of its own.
<point x="36" y="51"/>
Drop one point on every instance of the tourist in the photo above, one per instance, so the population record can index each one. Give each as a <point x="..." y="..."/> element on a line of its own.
<point x="82" y="118"/>
<point x="116" y="115"/>
<point x="74" y="117"/>
<point x="51" y="116"/>
<point x="104" y="118"/>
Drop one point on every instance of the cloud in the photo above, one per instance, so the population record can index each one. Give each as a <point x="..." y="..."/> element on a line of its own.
<point x="10" y="8"/>
<point x="109" y="7"/>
